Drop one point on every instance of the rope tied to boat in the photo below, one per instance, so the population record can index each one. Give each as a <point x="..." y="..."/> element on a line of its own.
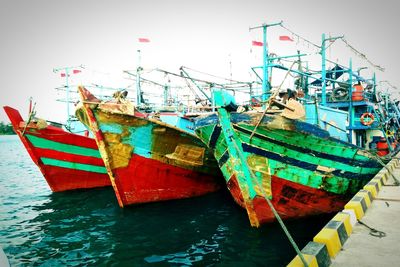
<point x="229" y="137"/>
<point x="373" y="231"/>
<point x="271" y="100"/>
<point x="278" y="218"/>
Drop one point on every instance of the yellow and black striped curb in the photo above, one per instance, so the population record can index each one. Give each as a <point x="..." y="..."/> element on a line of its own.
<point x="328" y="242"/>
<point x="315" y="254"/>
<point x="360" y="202"/>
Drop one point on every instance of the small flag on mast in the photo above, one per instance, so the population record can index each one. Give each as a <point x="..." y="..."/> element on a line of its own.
<point x="256" y="43"/>
<point x="285" y="38"/>
<point x="76" y="71"/>
<point x="144" y="40"/>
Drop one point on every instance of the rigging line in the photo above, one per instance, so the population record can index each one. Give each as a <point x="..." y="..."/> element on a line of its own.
<point x="300" y="37"/>
<point x="270" y="102"/>
<point x="391" y="85"/>
<point x="333" y="62"/>
<point x="144" y="79"/>
<point x="331" y="43"/>
<point x="296" y="60"/>
<point x="191" y="89"/>
<point x="211" y="75"/>
<point x="288" y="60"/>
<point x="31" y="115"/>
<point x="238" y="85"/>
<point x="194" y="79"/>
<point x="362" y="55"/>
<point x="265" y="196"/>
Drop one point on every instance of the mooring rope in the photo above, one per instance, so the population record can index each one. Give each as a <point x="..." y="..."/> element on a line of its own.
<point x="373" y="231"/>
<point x="279" y="219"/>
<point x="271" y="100"/>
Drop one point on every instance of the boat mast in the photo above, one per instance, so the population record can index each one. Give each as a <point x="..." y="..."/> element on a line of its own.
<point x="186" y="75"/>
<point x="323" y="70"/>
<point x="66" y="72"/>
<point x="351" y="110"/>
<point x="265" y="85"/>
<point x="166" y="94"/>
<point x="138" y="89"/>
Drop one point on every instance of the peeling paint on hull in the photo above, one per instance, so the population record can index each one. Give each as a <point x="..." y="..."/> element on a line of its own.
<point x="296" y="165"/>
<point x="148" y="160"/>
<point x="149" y="180"/>
<point x="291" y="200"/>
<point x="67" y="161"/>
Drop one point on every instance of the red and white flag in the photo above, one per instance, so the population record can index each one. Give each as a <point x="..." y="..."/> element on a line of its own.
<point x="285" y="38"/>
<point x="256" y="43"/>
<point x="76" y="71"/>
<point x="144" y="40"/>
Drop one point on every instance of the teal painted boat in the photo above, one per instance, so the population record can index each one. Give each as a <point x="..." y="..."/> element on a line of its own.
<point x="297" y="165"/>
<point x="148" y="160"/>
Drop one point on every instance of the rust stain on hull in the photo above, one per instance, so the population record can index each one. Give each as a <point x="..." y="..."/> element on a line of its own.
<point x="190" y="155"/>
<point x="121" y="119"/>
<point x="260" y="168"/>
<point x="120" y="153"/>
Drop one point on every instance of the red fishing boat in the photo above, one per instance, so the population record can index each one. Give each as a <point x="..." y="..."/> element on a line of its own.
<point x="148" y="160"/>
<point x="67" y="161"/>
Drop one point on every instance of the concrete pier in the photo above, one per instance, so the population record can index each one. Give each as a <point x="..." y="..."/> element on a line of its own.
<point x="369" y="248"/>
<point x="367" y="232"/>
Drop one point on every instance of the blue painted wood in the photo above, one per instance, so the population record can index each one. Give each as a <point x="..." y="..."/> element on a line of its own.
<point x="330" y="115"/>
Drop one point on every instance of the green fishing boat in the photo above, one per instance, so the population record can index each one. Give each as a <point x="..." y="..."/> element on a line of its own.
<point x="278" y="161"/>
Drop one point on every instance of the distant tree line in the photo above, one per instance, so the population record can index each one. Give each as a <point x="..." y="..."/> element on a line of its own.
<point x="6" y="128"/>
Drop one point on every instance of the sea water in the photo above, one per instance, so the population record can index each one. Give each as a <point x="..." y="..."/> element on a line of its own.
<point x="88" y="228"/>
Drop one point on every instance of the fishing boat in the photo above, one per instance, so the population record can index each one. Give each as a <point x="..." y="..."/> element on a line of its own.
<point x="280" y="158"/>
<point x="67" y="161"/>
<point x="372" y="115"/>
<point x="147" y="160"/>
<point x="288" y="159"/>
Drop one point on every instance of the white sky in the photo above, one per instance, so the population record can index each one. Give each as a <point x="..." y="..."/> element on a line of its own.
<point x="37" y="36"/>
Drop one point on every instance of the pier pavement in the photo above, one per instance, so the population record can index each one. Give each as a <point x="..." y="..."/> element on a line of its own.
<point x="380" y="246"/>
<point x="367" y="232"/>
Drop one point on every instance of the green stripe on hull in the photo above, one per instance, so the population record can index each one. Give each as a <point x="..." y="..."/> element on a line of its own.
<point x="309" y="141"/>
<point x="309" y="178"/>
<point x="300" y="142"/>
<point x="314" y="179"/>
<point x="305" y="157"/>
<point x="72" y="149"/>
<point x="298" y="175"/>
<point x="74" y="165"/>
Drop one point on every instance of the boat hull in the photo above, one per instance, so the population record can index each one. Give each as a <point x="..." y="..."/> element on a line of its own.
<point x="296" y="165"/>
<point x="291" y="200"/>
<point x="148" y="160"/>
<point x="67" y="161"/>
<point x="148" y="180"/>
